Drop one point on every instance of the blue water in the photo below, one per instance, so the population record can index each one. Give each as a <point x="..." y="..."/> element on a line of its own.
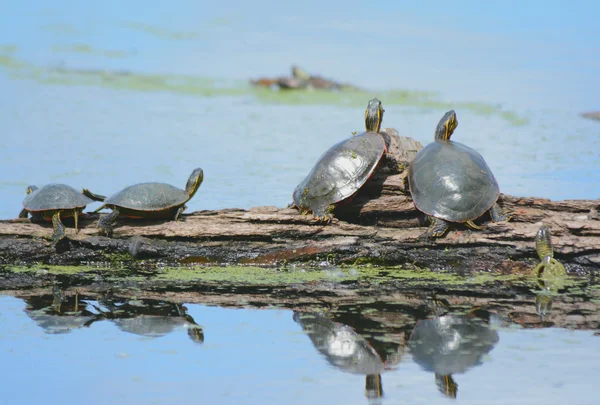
<point x="538" y="59"/>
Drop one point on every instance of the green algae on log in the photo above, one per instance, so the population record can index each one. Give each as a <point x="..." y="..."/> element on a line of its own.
<point x="379" y="226"/>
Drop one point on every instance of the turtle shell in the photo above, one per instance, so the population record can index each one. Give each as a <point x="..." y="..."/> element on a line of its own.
<point x="340" y="171"/>
<point x="55" y="197"/>
<point x="149" y="197"/>
<point x="451" y="181"/>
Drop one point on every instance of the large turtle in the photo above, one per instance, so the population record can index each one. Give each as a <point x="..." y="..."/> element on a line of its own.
<point x="147" y="200"/>
<point x="344" y="168"/>
<point x="51" y="202"/>
<point x="451" y="182"/>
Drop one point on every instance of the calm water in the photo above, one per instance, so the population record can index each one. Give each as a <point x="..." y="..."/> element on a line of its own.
<point x="84" y="127"/>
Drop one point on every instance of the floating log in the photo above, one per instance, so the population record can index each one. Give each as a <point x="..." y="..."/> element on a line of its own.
<point x="380" y="225"/>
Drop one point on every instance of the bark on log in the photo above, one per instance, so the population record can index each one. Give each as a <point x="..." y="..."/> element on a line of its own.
<point x="379" y="225"/>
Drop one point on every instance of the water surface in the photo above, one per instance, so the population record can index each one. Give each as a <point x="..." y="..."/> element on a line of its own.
<point x="110" y="94"/>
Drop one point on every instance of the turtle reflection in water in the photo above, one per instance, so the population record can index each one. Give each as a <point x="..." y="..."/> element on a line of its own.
<point x="344" y="348"/>
<point x="451" y="344"/>
<point x="149" y="318"/>
<point x="56" y="313"/>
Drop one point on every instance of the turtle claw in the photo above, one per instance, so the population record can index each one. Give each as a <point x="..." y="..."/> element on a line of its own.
<point x="324" y="214"/>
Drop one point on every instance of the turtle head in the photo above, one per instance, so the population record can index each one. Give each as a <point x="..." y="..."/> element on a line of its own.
<point x="446" y="385"/>
<point x="299" y="73"/>
<point x="374" y="115"/>
<point x="446" y="126"/>
<point x="194" y="331"/>
<point x="31" y="189"/>
<point x="543" y="244"/>
<point x="194" y="182"/>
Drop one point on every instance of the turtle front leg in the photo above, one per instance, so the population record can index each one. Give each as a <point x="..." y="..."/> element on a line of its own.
<point x="179" y="212"/>
<point x="59" y="228"/>
<point x="105" y="223"/>
<point x="24" y="213"/>
<point x="437" y="228"/>
<point x="500" y="214"/>
<point x="76" y="219"/>
<point x="324" y="214"/>
<point x="393" y="163"/>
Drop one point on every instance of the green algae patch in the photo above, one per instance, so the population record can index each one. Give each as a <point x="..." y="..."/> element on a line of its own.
<point x="89" y="50"/>
<point x="162" y="33"/>
<point x="210" y="87"/>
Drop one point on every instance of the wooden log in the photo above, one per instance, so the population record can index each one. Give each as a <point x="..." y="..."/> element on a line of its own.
<point x="379" y="225"/>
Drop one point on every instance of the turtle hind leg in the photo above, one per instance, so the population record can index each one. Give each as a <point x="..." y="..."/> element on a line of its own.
<point x="24" y="213"/>
<point x="473" y="225"/>
<point x="500" y="214"/>
<point x="178" y="213"/>
<point x="437" y="228"/>
<point x="324" y="214"/>
<point x="59" y="228"/>
<point x="105" y="222"/>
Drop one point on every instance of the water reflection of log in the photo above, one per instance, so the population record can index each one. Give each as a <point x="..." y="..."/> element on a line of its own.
<point x="388" y="311"/>
<point x="380" y="224"/>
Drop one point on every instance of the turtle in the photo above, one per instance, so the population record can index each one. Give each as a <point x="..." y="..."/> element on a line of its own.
<point x="549" y="272"/>
<point x="451" y="182"/>
<point x="147" y="200"/>
<point x="51" y="202"/>
<point x="343" y="169"/>
<point x="548" y="266"/>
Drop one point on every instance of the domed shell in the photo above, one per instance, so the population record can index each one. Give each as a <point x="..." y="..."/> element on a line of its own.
<point x="451" y="181"/>
<point x="54" y="197"/>
<point x="340" y="171"/>
<point x="149" y="197"/>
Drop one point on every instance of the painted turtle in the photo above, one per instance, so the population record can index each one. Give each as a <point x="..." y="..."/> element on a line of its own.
<point x="344" y="168"/>
<point x="147" y="200"/>
<point x="51" y="202"/>
<point x="451" y="182"/>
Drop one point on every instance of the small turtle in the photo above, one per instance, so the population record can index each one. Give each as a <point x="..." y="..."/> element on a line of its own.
<point x="548" y="265"/>
<point x="147" y="200"/>
<point x="344" y="168"/>
<point x="451" y="182"/>
<point x="51" y="202"/>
